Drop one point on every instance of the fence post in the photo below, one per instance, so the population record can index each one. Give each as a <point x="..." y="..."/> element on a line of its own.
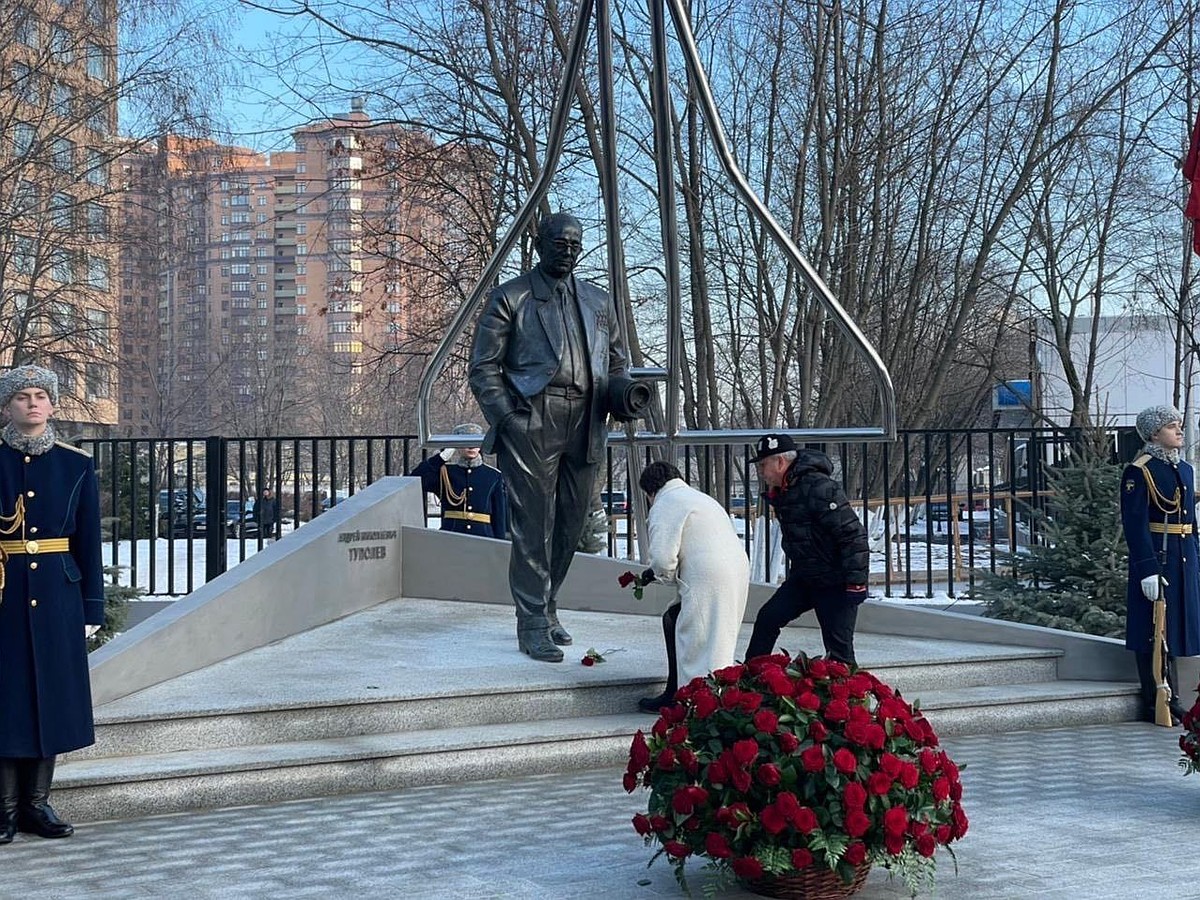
<point x="215" y="548"/>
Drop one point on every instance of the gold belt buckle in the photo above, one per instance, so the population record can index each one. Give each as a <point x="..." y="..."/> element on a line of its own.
<point x="31" y="546"/>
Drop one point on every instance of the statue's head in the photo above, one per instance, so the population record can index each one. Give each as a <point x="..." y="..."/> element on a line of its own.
<point x="559" y="243"/>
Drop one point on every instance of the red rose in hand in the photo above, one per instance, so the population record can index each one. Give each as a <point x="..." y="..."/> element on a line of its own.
<point x="801" y="859"/>
<point x="857" y="823"/>
<point x="846" y="762"/>
<point x="854" y="796"/>
<point x="626" y="579"/>
<point x="813" y="759"/>
<point x="747" y="867"/>
<point x="641" y="824"/>
<point x="788" y="742"/>
<point x="769" y="774"/>
<point x="765" y="720"/>
<point x="856" y="853"/>
<point x="677" y="849"/>
<point x="716" y="846"/>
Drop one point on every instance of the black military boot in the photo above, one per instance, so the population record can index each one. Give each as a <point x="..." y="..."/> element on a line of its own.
<point x="1177" y="707"/>
<point x="34" y="813"/>
<point x="537" y="643"/>
<point x="10" y="795"/>
<point x="558" y="634"/>
<point x="654" y="704"/>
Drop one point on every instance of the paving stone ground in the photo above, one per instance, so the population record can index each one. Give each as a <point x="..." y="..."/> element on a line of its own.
<point x="1070" y="814"/>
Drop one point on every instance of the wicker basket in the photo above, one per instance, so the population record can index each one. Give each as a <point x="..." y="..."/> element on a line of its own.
<point x="811" y="883"/>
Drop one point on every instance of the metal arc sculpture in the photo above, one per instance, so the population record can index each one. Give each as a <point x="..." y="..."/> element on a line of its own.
<point x="598" y="11"/>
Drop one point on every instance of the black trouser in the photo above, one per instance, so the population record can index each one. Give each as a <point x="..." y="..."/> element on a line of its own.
<point x="1145" y="667"/>
<point x="835" y="614"/>
<point x="669" y="618"/>
<point x="544" y="460"/>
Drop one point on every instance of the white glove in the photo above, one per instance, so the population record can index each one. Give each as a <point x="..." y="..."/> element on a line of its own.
<point x="1151" y="588"/>
<point x="89" y="630"/>
<point x="448" y="454"/>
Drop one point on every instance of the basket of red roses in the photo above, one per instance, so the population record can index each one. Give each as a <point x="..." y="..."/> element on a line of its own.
<point x="1189" y="741"/>
<point x="795" y="776"/>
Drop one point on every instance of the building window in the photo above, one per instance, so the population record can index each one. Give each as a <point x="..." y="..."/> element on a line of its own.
<point x="23" y="137"/>
<point x="61" y="44"/>
<point x="62" y="99"/>
<point x="262" y="201"/>
<point x="262" y="287"/>
<point x="63" y="154"/>
<point x="301" y="228"/>
<point x="24" y="84"/>
<point x="301" y="187"/>
<point x="97" y="64"/>
<point x="97" y="171"/>
<point x="98" y="121"/>
<point x="301" y="290"/>
<point x="61" y="206"/>
<point x="261" y="218"/>
<point x="97" y="381"/>
<point x="301" y="250"/>
<point x="61" y="268"/>
<point x="98" y="324"/>
<point x="240" y="269"/>
<point x="97" y="217"/>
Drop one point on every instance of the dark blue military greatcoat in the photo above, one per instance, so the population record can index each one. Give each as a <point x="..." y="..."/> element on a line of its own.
<point x="473" y="497"/>
<point x="1158" y="501"/>
<point x="48" y="597"/>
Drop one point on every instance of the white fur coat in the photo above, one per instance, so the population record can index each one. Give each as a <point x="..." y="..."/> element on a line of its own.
<point x="692" y="542"/>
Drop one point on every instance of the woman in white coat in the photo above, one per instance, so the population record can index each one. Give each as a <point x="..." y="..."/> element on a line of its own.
<point x="693" y="544"/>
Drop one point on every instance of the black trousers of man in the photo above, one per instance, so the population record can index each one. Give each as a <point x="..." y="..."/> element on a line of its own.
<point x="835" y="614"/>
<point x="544" y="460"/>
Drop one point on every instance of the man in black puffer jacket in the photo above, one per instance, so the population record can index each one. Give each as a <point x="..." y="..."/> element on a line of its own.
<point x="825" y="543"/>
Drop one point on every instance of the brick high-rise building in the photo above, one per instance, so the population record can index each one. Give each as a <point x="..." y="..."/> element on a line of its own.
<point x="58" y="251"/>
<point x="285" y="281"/>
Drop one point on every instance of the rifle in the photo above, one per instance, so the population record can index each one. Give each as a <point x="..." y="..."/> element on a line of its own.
<point x="1162" y="693"/>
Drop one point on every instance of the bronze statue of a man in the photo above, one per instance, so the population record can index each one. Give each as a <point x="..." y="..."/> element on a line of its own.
<point x="547" y="367"/>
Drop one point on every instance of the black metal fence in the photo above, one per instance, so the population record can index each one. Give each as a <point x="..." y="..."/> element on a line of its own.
<point x="941" y="506"/>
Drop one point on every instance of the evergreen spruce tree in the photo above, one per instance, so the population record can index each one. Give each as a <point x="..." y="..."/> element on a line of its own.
<point x="116" y="608"/>
<point x="1074" y="576"/>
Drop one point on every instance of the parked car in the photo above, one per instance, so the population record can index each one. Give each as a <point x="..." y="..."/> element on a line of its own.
<point x="614" y="502"/>
<point x="174" y="514"/>
<point x="238" y="520"/>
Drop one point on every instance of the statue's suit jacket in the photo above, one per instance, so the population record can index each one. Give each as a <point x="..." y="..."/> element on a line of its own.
<point x="519" y="345"/>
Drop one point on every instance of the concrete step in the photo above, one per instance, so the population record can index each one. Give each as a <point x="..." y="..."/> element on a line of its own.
<point x="120" y="735"/>
<point x="148" y="784"/>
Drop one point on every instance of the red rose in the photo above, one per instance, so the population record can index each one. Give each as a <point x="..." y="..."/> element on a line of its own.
<point x="855" y="854"/>
<point x="859" y="713"/>
<point x="916" y="829"/>
<point x="859" y="684"/>
<point x="659" y="728"/>
<point x="879" y="783"/>
<point x="956" y="791"/>
<point x="929" y="761"/>
<point x="765" y="720"/>
<point x="740" y="779"/>
<point x="588" y="661"/>
<point x="809" y="701"/>
<point x="958" y="825"/>
<point x="941" y="790"/>
<point x="801" y="859"/>
<point x="895" y="820"/>
<point x="804" y="820"/>
<point x="678" y="735"/>
<point x="692" y="824"/>
<point x="731" y="698"/>
<point x="787" y="803"/>
<point x="626" y="579"/>
<point x="857" y="823"/>
<point x="813" y="759"/>
<point x="893" y="843"/>
<point x="704" y="702"/>
<point x="837" y="669"/>
<point x="681" y="802"/>
<point x="745" y="751"/>
<point x="777" y="681"/>
<point x="769" y="774"/>
<point x="733" y="815"/>
<point x="716" y="846"/>
<point x="845" y="762"/>
<point x="857" y="733"/>
<point x="839" y="691"/>
<point x="837" y="711"/>
<point x="698" y="794"/>
<point x="943" y="834"/>
<point x="747" y="867"/>
<point x="818" y="668"/>
<point x="818" y="732"/>
<point x="677" y="849"/>
<point x="718" y="771"/>
<point x="788" y="742"/>
<point x="641" y="824"/>
<point x="729" y="674"/>
<point x="891" y="764"/>
<point x="926" y="845"/>
<point x="948" y="767"/>
<point x="666" y="759"/>
<point x="749" y="701"/>
<point x="674" y="714"/>
<point x="854" y="796"/>
<point x="629" y="782"/>
<point x="773" y="819"/>
<point x="639" y="752"/>
<point x="660" y="824"/>
<point x="876" y="737"/>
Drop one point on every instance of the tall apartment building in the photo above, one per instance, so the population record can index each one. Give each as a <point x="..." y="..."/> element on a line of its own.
<point x="58" y="251"/>
<point x="286" y="282"/>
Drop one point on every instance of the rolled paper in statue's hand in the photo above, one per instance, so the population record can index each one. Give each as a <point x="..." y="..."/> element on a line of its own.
<point x="628" y="399"/>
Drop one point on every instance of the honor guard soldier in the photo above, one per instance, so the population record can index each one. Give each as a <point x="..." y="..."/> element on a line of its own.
<point x="471" y="492"/>
<point x="52" y="600"/>
<point x="1158" y="514"/>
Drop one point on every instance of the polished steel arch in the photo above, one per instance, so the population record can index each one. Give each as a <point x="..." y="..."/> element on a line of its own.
<point x="672" y="435"/>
